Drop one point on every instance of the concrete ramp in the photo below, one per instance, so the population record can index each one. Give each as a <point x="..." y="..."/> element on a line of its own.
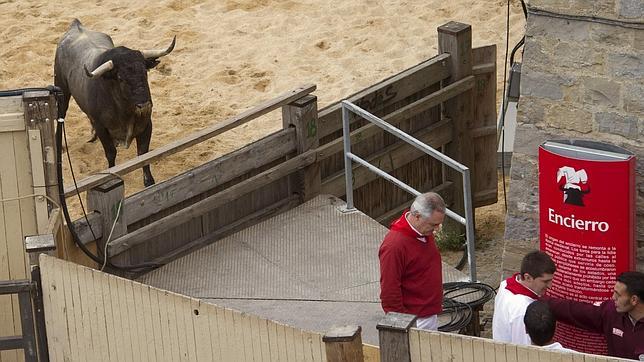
<point x="311" y="267"/>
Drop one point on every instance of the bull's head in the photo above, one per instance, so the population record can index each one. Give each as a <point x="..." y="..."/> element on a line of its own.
<point x="128" y="68"/>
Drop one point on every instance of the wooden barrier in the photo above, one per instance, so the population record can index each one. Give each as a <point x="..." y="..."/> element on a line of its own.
<point x="437" y="346"/>
<point x="93" y="316"/>
<point x="27" y="182"/>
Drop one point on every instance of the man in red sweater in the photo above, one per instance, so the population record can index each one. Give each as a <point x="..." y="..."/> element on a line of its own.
<point x="411" y="279"/>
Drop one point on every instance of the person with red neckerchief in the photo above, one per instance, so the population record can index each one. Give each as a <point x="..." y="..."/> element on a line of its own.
<point x="411" y="279"/>
<point x="516" y="293"/>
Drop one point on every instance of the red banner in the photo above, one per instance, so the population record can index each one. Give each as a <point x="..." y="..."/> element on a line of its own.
<point x="587" y="225"/>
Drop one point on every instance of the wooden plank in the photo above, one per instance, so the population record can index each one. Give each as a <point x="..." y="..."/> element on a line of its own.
<point x="446" y="347"/>
<point x="511" y="353"/>
<point x="425" y="346"/>
<point x="388" y="91"/>
<point x="533" y="355"/>
<point x="435" y="347"/>
<point x="72" y="314"/>
<point x="414" y="345"/>
<point x="273" y="340"/>
<point x="187" y="314"/>
<point x="7" y="231"/>
<point x="105" y="316"/>
<point x="290" y="343"/>
<point x="241" y="352"/>
<point x="398" y="116"/>
<point x="468" y="349"/>
<point x="457" y="347"/>
<point x="38" y="180"/>
<point x="499" y="351"/>
<point x="27" y="203"/>
<point x="256" y="338"/>
<point x="389" y="159"/>
<point x="172" y="339"/>
<point x="456" y="38"/>
<point x="282" y="354"/>
<point x="182" y="329"/>
<point x="86" y="298"/>
<point x="226" y="331"/>
<point x="211" y="312"/>
<point x="54" y="305"/>
<point x="478" y="346"/>
<point x="212" y="202"/>
<point x="483" y="129"/>
<point x="482" y="68"/>
<point x="302" y="115"/>
<point x="201" y="331"/>
<point x="264" y="342"/>
<point x="148" y="315"/>
<point x="522" y="353"/>
<point x="243" y="323"/>
<point x="191" y="140"/>
<point x="209" y="175"/>
<point x="141" y="331"/>
<point x="12" y="122"/>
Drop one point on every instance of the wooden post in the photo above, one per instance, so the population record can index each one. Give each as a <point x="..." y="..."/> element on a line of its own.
<point x="106" y="200"/>
<point x="40" y="118"/>
<point x="303" y="115"/>
<point x="393" y="332"/>
<point x="456" y="39"/>
<point x="344" y="344"/>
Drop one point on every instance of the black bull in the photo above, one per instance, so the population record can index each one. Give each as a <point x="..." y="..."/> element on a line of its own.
<point x="110" y="84"/>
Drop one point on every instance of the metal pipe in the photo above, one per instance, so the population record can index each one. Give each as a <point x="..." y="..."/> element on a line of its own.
<point x="348" y="171"/>
<point x="469" y="226"/>
<point x="404" y="136"/>
<point x="402" y="185"/>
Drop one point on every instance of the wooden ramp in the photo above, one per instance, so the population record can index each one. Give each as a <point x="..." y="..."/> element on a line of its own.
<point x="311" y="267"/>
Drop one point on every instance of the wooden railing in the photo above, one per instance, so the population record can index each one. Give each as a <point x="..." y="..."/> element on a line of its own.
<point x="305" y="159"/>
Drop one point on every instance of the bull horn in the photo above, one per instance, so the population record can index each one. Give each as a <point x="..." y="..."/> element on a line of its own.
<point x="100" y="70"/>
<point x="153" y="54"/>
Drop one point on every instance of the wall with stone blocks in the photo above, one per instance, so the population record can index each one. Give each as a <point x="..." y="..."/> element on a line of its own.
<point x="582" y="78"/>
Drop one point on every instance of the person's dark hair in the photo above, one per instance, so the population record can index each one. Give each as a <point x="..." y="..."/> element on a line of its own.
<point x="537" y="263"/>
<point x="634" y="282"/>
<point x="539" y="323"/>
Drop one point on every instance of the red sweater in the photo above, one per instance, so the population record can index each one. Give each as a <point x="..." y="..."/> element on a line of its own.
<point x="411" y="279"/>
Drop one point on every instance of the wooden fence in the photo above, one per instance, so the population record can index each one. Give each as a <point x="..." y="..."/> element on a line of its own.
<point x="95" y="316"/>
<point x="435" y="346"/>
<point x="447" y="101"/>
<point x="26" y="163"/>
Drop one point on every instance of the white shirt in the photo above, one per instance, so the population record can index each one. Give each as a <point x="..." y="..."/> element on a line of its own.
<point x="558" y="347"/>
<point x="507" y="321"/>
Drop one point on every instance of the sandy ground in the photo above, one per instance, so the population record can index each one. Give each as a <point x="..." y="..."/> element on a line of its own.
<point x="232" y="55"/>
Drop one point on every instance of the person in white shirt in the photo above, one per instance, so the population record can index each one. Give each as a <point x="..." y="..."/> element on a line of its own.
<point x="540" y="324"/>
<point x="516" y="293"/>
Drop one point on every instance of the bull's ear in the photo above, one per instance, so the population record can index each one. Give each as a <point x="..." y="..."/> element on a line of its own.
<point x="151" y="63"/>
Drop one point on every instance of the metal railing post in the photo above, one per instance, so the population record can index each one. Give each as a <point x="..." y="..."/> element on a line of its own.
<point x="467" y="220"/>
<point x="469" y="227"/>
<point x="348" y="170"/>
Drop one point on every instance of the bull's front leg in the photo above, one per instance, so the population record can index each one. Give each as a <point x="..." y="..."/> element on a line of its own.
<point x="108" y="145"/>
<point x="143" y="146"/>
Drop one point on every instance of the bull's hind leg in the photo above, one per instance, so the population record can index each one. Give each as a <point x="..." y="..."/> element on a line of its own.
<point x="143" y="146"/>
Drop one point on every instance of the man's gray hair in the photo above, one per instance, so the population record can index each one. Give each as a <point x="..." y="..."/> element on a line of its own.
<point x="426" y="204"/>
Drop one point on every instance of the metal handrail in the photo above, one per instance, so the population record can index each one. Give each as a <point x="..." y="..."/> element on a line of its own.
<point x="467" y="221"/>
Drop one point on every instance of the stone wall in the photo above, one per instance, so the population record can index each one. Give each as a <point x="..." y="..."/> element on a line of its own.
<point x="582" y="78"/>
